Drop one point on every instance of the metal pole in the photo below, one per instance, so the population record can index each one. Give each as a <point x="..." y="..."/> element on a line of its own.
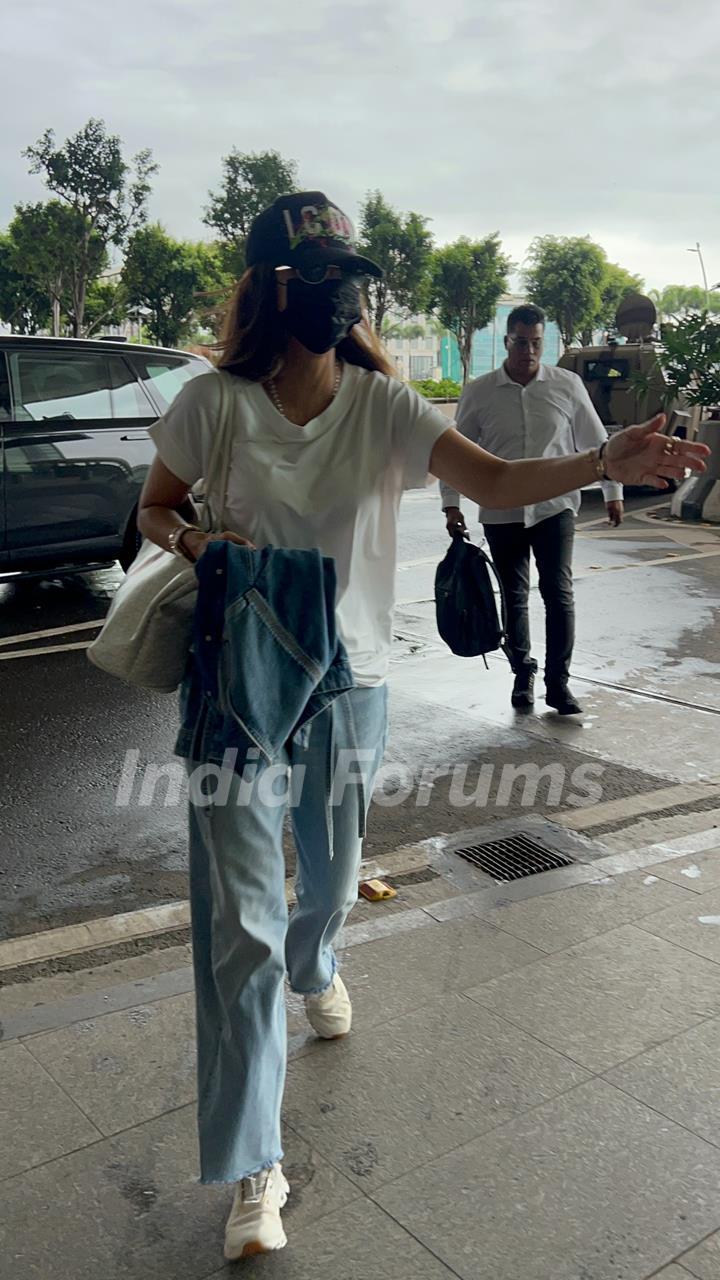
<point x="698" y="251"/>
<point x="704" y="276"/>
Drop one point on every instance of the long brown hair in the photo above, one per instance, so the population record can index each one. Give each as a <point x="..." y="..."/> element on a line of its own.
<point x="254" y="338"/>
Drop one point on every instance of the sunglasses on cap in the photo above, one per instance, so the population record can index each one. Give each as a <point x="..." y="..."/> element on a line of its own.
<point x="318" y="274"/>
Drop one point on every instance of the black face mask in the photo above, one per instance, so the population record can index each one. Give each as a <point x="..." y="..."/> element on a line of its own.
<point x="321" y="315"/>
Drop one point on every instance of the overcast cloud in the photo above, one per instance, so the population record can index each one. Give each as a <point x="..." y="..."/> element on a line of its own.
<point x="526" y="116"/>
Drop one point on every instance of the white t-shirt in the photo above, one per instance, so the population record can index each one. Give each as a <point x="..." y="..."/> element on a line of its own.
<point x="334" y="484"/>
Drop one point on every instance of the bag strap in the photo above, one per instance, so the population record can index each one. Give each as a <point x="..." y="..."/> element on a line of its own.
<point x="501" y="593"/>
<point x="216" y="480"/>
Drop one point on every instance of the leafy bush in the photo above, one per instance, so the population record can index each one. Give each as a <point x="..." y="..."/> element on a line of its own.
<point x="446" y="389"/>
<point x="690" y="358"/>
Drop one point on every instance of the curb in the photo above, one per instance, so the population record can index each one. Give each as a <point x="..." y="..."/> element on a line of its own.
<point x="108" y="931"/>
<point x="637" y="806"/>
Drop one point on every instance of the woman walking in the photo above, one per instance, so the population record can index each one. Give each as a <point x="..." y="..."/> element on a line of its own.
<point x="325" y="439"/>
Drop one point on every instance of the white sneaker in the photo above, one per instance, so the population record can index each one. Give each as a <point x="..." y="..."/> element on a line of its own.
<point x="330" y="1013"/>
<point x="254" y="1225"/>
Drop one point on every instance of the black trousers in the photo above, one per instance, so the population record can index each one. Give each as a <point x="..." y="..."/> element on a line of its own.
<point x="551" y="543"/>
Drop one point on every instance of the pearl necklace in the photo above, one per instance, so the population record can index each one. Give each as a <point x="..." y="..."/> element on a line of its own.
<point x="270" y="384"/>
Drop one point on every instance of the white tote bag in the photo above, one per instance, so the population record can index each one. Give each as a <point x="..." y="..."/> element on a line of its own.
<point x="146" y="636"/>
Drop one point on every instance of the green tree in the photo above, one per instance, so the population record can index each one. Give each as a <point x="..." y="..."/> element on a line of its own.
<point x="678" y="300"/>
<point x="215" y="289"/>
<point x="168" y="278"/>
<point x="251" y="181"/>
<point x="468" y="277"/>
<point x="106" y="305"/>
<point x="402" y="246"/>
<point x="396" y="329"/>
<point x="429" y="326"/>
<point x="48" y="243"/>
<point x="615" y="285"/>
<point x="690" y="359"/>
<point x="565" y="277"/>
<point x="108" y="196"/>
<point x="23" y="305"/>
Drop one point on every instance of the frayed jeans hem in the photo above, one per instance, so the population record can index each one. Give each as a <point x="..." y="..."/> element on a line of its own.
<point x="317" y="991"/>
<point x="204" y="1181"/>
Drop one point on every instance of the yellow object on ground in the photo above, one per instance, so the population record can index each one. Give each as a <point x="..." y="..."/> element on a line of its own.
<point x="376" y="890"/>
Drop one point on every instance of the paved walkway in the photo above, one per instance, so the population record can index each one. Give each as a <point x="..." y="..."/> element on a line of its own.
<point x="530" y="1093"/>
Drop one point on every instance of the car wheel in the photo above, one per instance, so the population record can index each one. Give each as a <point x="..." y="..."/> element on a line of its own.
<point x="131" y="543"/>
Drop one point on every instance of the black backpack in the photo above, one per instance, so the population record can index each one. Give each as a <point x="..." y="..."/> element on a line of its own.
<point x="465" y="604"/>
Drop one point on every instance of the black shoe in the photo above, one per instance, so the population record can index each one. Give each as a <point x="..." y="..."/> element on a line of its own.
<point x="561" y="700"/>
<point x="523" y="694"/>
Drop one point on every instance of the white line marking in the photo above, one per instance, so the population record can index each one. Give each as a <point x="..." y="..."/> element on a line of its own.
<point x="52" y="648"/>
<point x="673" y="557"/>
<point x="53" y="631"/>
<point x="412" y="564"/>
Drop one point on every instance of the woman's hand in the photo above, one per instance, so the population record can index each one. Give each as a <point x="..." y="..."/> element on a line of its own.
<point x="162" y="507"/>
<point x="195" y="542"/>
<point x="641" y="455"/>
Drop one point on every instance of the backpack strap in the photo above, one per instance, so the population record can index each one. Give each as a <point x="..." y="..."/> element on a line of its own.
<point x="501" y="593"/>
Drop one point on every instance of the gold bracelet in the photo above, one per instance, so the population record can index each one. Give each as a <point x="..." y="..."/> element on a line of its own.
<point x="595" y="456"/>
<point x="175" y="538"/>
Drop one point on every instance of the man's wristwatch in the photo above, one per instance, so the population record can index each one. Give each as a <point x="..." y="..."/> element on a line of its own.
<point x="175" y="538"/>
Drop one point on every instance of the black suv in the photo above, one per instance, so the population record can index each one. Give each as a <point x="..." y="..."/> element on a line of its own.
<point x="74" y="445"/>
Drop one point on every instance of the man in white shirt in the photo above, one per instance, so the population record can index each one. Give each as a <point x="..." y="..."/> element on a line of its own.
<point x="529" y="410"/>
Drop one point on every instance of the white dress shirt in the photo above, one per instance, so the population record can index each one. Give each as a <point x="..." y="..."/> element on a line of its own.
<point x="549" y="418"/>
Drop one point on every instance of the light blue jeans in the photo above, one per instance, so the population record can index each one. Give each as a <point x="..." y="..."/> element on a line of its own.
<point x="243" y="943"/>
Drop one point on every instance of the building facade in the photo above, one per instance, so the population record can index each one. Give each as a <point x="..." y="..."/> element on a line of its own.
<point x="416" y="358"/>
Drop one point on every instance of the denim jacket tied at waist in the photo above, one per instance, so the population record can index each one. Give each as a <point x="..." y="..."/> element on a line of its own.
<point x="266" y="654"/>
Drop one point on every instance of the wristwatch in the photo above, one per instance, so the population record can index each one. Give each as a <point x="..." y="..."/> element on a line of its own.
<point x="175" y="538"/>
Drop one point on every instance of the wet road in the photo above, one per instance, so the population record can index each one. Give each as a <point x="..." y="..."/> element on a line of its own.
<point x="67" y="727"/>
<point x="70" y="851"/>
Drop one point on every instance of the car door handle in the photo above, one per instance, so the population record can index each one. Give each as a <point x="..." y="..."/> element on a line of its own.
<point x="136" y="435"/>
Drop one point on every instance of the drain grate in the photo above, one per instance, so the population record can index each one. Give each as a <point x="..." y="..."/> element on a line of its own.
<point x="513" y="858"/>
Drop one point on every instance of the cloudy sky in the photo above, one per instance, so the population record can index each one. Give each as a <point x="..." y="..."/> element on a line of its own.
<point x="522" y="116"/>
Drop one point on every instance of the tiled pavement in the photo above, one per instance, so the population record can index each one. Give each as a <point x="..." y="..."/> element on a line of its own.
<point x="531" y="1092"/>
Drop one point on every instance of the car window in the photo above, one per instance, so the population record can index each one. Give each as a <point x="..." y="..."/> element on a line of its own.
<point x="69" y="386"/>
<point x="166" y="378"/>
<point x="128" y="398"/>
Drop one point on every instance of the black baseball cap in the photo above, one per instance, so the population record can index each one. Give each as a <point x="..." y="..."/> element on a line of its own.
<point x="305" y="230"/>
